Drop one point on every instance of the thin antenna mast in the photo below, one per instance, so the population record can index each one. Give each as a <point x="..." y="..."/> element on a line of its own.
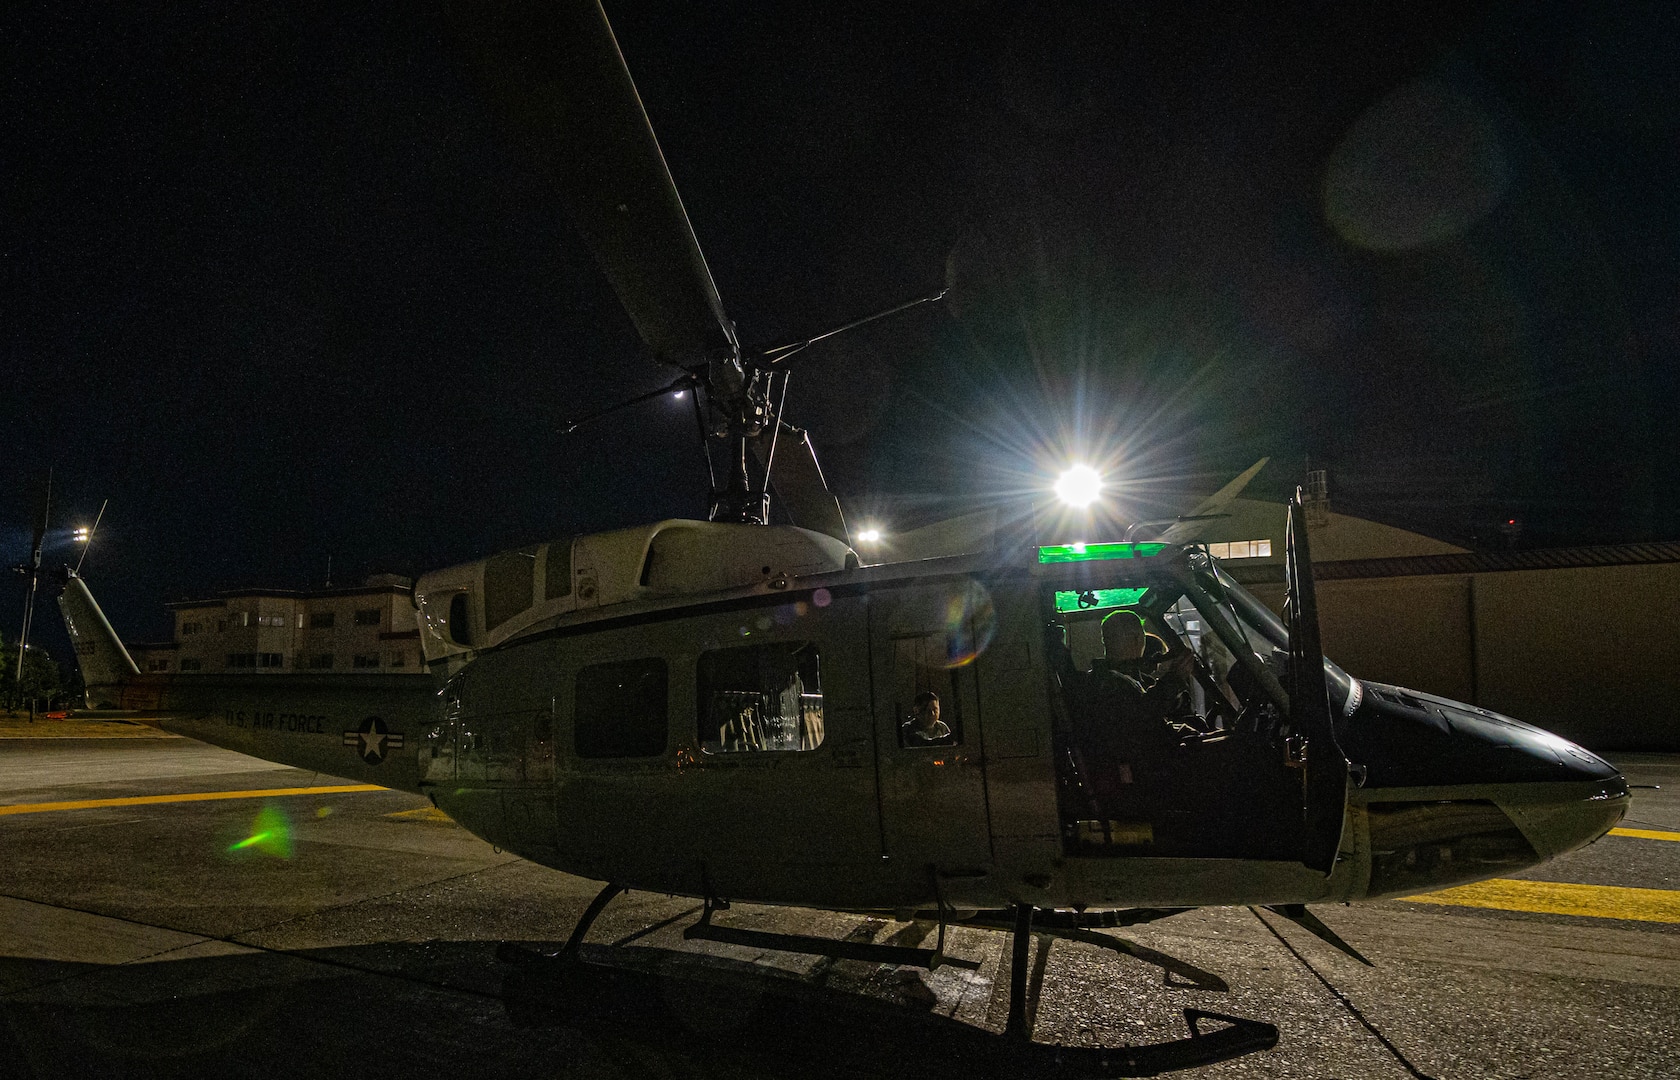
<point x="91" y="534"/>
<point x="33" y="569"/>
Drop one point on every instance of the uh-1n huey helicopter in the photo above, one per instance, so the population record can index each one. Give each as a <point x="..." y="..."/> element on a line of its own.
<point x="717" y="708"/>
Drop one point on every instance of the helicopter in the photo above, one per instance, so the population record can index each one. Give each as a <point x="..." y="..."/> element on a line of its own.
<point x="721" y="709"/>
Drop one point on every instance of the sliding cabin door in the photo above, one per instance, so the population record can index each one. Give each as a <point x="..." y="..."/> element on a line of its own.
<point x="925" y="640"/>
<point x="727" y="753"/>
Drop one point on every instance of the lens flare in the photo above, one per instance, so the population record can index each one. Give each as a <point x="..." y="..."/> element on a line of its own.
<point x="970" y="625"/>
<point x="271" y="834"/>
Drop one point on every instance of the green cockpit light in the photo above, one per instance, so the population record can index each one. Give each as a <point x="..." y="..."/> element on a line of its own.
<point x="1095" y="599"/>
<point x="1066" y="553"/>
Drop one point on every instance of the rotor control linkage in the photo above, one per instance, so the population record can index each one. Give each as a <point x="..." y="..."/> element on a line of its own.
<point x="675" y="387"/>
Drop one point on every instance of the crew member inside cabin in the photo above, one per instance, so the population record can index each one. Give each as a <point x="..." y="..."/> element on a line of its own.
<point x="924" y="728"/>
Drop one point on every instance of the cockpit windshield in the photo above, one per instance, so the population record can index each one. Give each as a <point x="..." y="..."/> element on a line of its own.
<point x="1264" y="631"/>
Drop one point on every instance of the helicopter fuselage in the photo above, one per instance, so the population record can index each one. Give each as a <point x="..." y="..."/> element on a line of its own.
<point x="752" y="743"/>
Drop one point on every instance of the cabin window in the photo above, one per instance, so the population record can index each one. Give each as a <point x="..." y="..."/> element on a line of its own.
<point x="321" y="620"/>
<point x="760" y="697"/>
<point x="509" y="579"/>
<point x="621" y="709"/>
<point x="368" y="617"/>
<point x="926" y="707"/>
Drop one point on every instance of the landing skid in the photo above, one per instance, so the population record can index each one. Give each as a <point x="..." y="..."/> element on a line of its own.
<point x="689" y="1000"/>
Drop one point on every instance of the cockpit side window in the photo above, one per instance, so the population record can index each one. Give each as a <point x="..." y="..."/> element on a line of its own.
<point x="760" y="697"/>
<point x="558" y="578"/>
<point x="460" y="620"/>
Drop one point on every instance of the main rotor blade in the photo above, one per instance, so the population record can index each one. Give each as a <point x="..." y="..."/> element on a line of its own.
<point x="556" y="70"/>
<point x="799" y="482"/>
<point x="1211" y="507"/>
<point x="41" y="526"/>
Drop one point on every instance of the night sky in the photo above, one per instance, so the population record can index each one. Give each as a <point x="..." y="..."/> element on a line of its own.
<point x="277" y="285"/>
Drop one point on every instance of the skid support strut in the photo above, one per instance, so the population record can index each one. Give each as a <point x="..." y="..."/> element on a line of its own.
<point x="590" y="914"/>
<point x="1020" y="951"/>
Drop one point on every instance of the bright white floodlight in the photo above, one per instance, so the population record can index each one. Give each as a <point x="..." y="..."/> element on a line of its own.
<point x="869" y="536"/>
<point x="1079" y="486"/>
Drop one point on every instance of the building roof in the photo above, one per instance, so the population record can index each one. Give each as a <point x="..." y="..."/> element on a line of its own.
<point x="1344" y="537"/>
<point x="1477" y="562"/>
<point x="222" y="598"/>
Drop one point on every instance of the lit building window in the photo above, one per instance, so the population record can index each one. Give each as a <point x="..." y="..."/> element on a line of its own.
<point x="1241" y="549"/>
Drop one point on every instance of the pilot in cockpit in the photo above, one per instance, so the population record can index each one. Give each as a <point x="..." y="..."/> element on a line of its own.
<point x="1119" y="679"/>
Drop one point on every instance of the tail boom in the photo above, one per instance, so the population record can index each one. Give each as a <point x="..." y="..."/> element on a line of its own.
<point x="366" y="727"/>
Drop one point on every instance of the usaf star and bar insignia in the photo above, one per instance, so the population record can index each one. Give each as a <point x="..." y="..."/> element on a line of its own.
<point x="373" y="740"/>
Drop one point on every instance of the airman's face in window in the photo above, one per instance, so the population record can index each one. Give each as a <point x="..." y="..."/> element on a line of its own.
<point x="927" y="715"/>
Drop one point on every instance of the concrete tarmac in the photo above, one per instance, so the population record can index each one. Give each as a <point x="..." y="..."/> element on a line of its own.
<point x="354" y="932"/>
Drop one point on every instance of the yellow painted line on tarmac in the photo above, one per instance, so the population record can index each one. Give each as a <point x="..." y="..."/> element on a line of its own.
<point x="1562" y="898"/>
<point x="424" y="813"/>
<point x="193" y="796"/>
<point x="1646" y="834"/>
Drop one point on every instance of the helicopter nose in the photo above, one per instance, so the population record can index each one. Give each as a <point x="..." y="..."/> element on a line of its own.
<point x="1583" y="803"/>
<point x="1466" y="794"/>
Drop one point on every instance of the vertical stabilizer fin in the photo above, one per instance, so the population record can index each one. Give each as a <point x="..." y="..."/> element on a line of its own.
<point x="105" y="663"/>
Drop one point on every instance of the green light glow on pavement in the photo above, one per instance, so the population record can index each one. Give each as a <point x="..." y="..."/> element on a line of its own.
<point x="271" y="834"/>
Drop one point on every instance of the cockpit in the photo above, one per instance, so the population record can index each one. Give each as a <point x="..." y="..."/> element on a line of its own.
<point x="1172" y="729"/>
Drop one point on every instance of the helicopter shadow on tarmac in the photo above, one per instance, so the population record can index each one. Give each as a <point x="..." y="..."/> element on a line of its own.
<point x="688" y="1003"/>
<point x="442" y="1008"/>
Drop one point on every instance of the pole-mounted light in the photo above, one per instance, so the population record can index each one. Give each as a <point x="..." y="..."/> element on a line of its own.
<point x="1079" y="486"/>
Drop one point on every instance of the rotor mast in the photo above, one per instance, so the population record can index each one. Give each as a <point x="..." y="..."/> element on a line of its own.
<point x="737" y="411"/>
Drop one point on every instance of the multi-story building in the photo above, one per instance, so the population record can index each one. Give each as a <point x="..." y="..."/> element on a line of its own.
<point x="368" y="628"/>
